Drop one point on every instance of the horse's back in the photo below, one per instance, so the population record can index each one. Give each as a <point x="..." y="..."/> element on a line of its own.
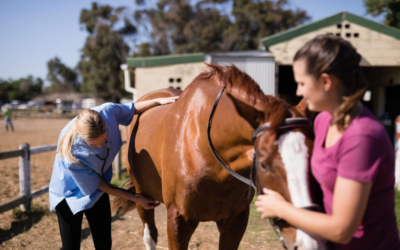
<point x="169" y="92"/>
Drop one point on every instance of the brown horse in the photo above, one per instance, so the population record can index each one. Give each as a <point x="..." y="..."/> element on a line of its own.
<point x="171" y="161"/>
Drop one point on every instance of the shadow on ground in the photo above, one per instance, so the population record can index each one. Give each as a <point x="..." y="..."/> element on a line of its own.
<point x="23" y="222"/>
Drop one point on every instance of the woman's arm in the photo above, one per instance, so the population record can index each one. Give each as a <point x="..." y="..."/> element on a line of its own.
<point x="144" y="202"/>
<point x="350" y="200"/>
<point x="144" y="105"/>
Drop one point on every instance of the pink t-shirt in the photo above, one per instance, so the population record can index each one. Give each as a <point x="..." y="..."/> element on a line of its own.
<point x="363" y="153"/>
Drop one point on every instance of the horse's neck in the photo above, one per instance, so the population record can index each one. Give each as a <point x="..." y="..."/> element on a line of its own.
<point x="231" y="133"/>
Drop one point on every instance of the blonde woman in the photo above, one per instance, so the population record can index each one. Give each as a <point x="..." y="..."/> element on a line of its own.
<point x="82" y="169"/>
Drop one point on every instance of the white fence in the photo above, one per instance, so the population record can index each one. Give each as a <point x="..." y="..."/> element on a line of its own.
<point x="24" y="153"/>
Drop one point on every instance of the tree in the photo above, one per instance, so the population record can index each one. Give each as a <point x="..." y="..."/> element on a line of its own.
<point x="391" y="9"/>
<point x="257" y="19"/>
<point x="105" y="50"/>
<point x="61" y="77"/>
<point x="23" y="89"/>
<point x="144" y="50"/>
<point x="178" y="26"/>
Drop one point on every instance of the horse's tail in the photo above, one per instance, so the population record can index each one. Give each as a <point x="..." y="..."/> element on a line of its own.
<point x="122" y="205"/>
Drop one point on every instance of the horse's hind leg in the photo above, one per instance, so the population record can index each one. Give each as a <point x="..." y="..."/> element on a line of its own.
<point x="232" y="230"/>
<point x="150" y="232"/>
<point x="179" y="230"/>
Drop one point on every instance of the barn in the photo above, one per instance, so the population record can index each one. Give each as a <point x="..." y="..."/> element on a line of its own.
<point x="377" y="43"/>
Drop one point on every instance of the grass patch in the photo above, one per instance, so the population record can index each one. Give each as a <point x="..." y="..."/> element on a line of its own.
<point x="24" y="221"/>
<point x="36" y="209"/>
<point x="257" y="225"/>
<point x="124" y="177"/>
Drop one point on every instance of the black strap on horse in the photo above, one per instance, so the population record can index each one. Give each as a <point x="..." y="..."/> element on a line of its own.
<point x="230" y="171"/>
<point x="289" y="122"/>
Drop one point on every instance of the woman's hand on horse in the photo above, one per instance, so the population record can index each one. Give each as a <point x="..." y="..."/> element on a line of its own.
<point x="147" y="203"/>
<point x="270" y="204"/>
<point x="167" y="100"/>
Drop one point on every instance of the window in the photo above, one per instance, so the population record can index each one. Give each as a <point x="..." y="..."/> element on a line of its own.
<point x="178" y="80"/>
<point x="171" y="79"/>
<point x="356" y="35"/>
<point x="348" y="34"/>
<point x="347" y="26"/>
<point x="338" y="34"/>
<point x="339" y="25"/>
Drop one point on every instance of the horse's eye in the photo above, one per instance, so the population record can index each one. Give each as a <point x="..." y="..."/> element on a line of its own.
<point x="264" y="167"/>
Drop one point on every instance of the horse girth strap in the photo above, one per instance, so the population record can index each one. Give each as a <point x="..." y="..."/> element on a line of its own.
<point x="230" y="171"/>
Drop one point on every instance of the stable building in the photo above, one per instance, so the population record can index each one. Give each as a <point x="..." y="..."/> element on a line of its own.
<point x="178" y="71"/>
<point x="378" y="44"/>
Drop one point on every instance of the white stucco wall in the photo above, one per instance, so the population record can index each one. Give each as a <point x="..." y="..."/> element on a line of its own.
<point x="376" y="48"/>
<point x="154" y="78"/>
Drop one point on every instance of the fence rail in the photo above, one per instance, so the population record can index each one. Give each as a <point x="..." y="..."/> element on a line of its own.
<point x="24" y="153"/>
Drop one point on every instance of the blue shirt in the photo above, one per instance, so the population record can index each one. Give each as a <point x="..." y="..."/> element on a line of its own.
<point x="77" y="183"/>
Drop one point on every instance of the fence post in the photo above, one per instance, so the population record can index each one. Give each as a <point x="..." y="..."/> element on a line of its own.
<point x="25" y="176"/>
<point x="117" y="165"/>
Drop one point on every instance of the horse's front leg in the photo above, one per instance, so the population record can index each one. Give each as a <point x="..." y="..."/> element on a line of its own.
<point x="232" y="230"/>
<point x="179" y="229"/>
<point x="149" y="232"/>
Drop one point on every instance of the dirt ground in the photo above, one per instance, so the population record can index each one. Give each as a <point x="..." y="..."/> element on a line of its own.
<point x="40" y="229"/>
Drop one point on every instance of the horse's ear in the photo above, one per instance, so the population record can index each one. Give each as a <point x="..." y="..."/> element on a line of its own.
<point x="250" y="113"/>
<point x="302" y="107"/>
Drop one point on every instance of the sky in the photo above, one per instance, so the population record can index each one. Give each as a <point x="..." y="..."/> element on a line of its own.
<point x="33" y="32"/>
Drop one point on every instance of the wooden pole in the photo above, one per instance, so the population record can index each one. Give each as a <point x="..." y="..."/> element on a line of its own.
<point x="25" y="176"/>
<point x="117" y="165"/>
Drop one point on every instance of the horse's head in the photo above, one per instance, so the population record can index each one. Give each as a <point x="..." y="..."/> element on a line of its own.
<point x="283" y="142"/>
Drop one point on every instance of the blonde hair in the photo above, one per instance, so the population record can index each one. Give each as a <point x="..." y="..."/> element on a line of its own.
<point x="89" y="125"/>
<point x="336" y="56"/>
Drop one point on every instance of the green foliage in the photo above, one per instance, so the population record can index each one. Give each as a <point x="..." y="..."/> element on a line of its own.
<point x="173" y="26"/>
<point x="390" y="8"/>
<point x="23" y="89"/>
<point x="105" y="50"/>
<point x="257" y="19"/>
<point x="144" y="50"/>
<point x="183" y="27"/>
<point x="61" y="77"/>
<point x="124" y="177"/>
<point x="35" y="209"/>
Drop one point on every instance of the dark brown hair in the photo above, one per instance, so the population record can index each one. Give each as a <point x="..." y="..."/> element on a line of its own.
<point x="336" y="56"/>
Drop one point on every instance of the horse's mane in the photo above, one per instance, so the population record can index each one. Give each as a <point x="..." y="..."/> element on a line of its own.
<point x="233" y="79"/>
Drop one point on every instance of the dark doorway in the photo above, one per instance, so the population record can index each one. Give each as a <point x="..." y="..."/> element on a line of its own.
<point x="392" y="106"/>
<point x="287" y="86"/>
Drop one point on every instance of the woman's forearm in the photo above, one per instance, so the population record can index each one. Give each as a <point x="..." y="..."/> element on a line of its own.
<point x="318" y="224"/>
<point x="104" y="187"/>
<point x="144" y="105"/>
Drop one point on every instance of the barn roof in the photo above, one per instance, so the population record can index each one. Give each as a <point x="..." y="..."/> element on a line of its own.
<point x="332" y="20"/>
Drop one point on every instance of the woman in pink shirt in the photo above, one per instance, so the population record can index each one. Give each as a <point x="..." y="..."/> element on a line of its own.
<point x="352" y="160"/>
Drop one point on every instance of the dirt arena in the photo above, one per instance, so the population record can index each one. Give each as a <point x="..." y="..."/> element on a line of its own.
<point x="40" y="230"/>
